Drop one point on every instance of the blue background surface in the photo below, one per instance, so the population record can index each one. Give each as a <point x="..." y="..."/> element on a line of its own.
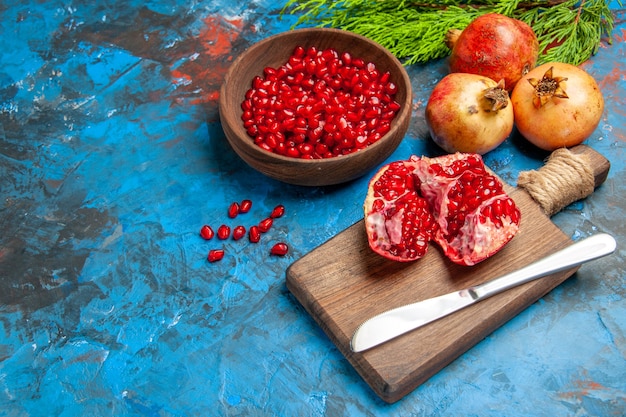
<point x="112" y="157"/>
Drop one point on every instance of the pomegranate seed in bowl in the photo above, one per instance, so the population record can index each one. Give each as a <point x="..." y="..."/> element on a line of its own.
<point x="319" y="97"/>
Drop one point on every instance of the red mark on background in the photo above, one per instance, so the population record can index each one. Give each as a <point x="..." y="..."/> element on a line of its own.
<point x="205" y="69"/>
<point x="197" y="63"/>
<point x="220" y="34"/>
<point x="611" y="79"/>
<point x="610" y="87"/>
<point x="583" y="389"/>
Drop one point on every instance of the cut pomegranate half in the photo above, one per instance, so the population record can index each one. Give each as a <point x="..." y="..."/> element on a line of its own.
<point x="476" y="217"/>
<point x="451" y="199"/>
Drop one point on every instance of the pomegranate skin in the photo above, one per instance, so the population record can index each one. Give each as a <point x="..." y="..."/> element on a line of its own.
<point x="460" y="118"/>
<point x="497" y="47"/>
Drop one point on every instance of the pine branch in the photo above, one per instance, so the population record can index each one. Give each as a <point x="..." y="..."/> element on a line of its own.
<point x="568" y="30"/>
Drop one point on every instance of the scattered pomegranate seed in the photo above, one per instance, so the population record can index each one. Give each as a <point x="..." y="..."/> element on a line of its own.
<point x="233" y="210"/>
<point x="223" y="232"/>
<point x="278" y="211"/>
<point x="254" y="232"/>
<point x="279" y="249"/>
<point x="206" y="232"/>
<point x="239" y="232"/>
<point x="266" y="224"/>
<point x="254" y="235"/>
<point x="245" y="206"/>
<point x="215" y="255"/>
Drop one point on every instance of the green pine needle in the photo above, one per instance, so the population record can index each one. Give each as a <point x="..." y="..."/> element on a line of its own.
<point x="568" y="30"/>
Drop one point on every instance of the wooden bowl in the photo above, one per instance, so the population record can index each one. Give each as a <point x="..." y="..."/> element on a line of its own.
<point x="274" y="52"/>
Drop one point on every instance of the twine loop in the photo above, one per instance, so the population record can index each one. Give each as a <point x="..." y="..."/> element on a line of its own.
<point x="566" y="177"/>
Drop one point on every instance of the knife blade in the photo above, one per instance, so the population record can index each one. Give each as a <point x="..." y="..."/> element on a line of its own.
<point x="398" y="321"/>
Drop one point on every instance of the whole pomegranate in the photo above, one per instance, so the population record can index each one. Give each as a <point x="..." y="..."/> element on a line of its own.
<point x="469" y="113"/>
<point x="496" y="46"/>
<point x="451" y="199"/>
<point x="557" y="105"/>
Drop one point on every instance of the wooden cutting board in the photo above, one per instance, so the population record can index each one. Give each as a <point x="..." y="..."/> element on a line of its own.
<point x="343" y="282"/>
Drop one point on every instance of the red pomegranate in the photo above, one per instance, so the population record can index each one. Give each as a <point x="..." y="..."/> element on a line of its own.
<point x="495" y="46"/>
<point x="451" y="199"/>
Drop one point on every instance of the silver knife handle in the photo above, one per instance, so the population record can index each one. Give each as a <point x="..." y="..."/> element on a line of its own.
<point x="580" y="252"/>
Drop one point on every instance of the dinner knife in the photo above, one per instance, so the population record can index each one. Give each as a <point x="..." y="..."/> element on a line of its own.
<point x="393" y="323"/>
